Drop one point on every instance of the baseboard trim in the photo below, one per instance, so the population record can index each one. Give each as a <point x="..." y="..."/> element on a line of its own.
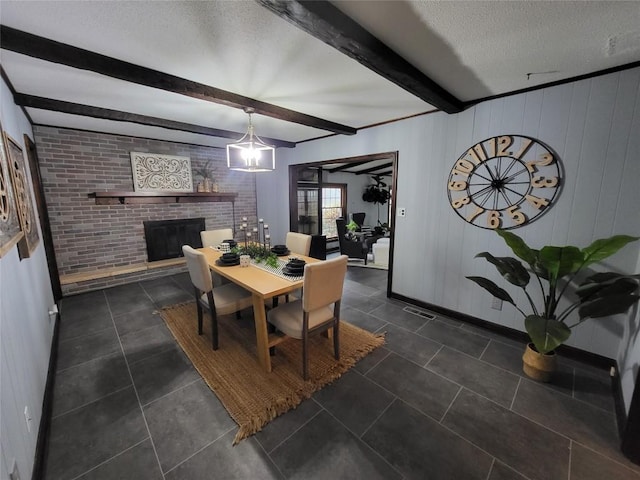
<point x="42" y="443"/>
<point x="574" y="353"/>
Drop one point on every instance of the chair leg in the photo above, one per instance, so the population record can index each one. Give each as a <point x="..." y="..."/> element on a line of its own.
<point x="214" y="321"/>
<point x="305" y="345"/>
<point x="305" y="355"/>
<point x="199" y="307"/>
<point x="336" y="339"/>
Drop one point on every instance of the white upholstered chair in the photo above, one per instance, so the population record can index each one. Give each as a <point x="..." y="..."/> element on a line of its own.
<point x="299" y="243"/>
<point x="381" y="251"/>
<point x="222" y="300"/>
<point x="319" y="308"/>
<point x="213" y="238"/>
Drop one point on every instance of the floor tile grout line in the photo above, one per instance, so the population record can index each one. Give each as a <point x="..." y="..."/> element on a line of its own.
<point x="273" y="463"/>
<point x="226" y="432"/>
<point x="377" y="363"/>
<point x="635" y="469"/>
<point x="153" y="355"/>
<point x="493" y="462"/>
<point x="100" y="357"/>
<point x="109" y="459"/>
<point x="296" y="430"/>
<point x="360" y="439"/>
<point x="182" y="387"/>
<point x="135" y="390"/>
<point x="520" y="379"/>
<point x="58" y="415"/>
<point x="460" y="436"/>
<point x="395" y="397"/>
<point x="85" y="335"/>
<point x="485" y="348"/>
<point x="433" y="356"/>
<point x="521" y="415"/>
<point x="455" y="397"/>
<point x="560" y="392"/>
<point x="513" y="400"/>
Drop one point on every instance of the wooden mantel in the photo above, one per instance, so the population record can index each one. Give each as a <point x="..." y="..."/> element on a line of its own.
<point x="121" y="197"/>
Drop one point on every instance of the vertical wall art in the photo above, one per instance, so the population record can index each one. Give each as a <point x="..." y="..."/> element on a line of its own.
<point x="10" y="231"/>
<point x="22" y="190"/>
<point x="156" y="172"/>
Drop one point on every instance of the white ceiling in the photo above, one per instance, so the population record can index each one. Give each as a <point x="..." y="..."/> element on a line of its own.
<point x="471" y="49"/>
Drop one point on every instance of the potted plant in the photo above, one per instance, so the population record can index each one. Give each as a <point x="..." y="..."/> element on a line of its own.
<point x="351" y="233"/>
<point x="377" y="193"/>
<point x="206" y="172"/>
<point x="554" y="270"/>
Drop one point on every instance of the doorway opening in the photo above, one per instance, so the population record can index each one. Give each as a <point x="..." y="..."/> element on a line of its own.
<point x="320" y="192"/>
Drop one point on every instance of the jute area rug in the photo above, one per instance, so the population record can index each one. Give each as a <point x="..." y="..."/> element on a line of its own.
<point x="252" y="396"/>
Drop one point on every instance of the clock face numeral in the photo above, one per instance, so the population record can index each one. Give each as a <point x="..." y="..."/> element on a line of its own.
<point x="504" y="182"/>
<point x="542" y="182"/>
<point x="537" y="202"/>
<point x="516" y="215"/>
<point x="457" y="185"/>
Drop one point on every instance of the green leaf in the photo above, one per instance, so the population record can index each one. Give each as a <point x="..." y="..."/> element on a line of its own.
<point x="545" y="333"/>
<point x="561" y="261"/>
<point x="603" y="248"/>
<point x="609" y="305"/>
<point x="618" y="284"/>
<point x="607" y="283"/>
<point x="493" y="289"/>
<point x="518" y="246"/>
<point x="510" y="268"/>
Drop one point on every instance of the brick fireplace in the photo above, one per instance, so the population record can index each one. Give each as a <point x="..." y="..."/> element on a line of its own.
<point x="91" y="239"/>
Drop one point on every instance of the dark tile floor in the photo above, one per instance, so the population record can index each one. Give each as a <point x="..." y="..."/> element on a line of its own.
<point x="441" y="400"/>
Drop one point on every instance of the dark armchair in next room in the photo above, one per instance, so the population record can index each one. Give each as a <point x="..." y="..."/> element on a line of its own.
<point x="355" y="248"/>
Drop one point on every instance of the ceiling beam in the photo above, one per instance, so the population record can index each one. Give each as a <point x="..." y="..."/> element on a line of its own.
<point x="56" y="52"/>
<point x="119" y="116"/>
<point x="373" y="169"/>
<point x="346" y="166"/>
<point x="329" y="24"/>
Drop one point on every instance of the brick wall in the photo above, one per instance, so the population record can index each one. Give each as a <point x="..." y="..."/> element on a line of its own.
<point x="89" y="237"/>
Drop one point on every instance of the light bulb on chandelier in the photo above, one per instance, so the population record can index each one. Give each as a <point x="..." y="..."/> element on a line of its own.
<point x="252" y="155"/>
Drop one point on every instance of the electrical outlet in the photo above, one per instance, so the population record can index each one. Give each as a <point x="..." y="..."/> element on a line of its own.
<point x="496" y="303"/>
<point x="53" y="312"/>
<point x="27" y="418"/>
<point x="402" y="211"/>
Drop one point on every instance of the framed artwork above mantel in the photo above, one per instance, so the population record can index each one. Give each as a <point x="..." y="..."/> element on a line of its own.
<point x="155" y="172"/>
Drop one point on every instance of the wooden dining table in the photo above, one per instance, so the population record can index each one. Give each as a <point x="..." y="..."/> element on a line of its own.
<point x="263" y="285"/>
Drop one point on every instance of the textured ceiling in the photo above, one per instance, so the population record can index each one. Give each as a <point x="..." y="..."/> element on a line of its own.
<point x="471" y="49"/>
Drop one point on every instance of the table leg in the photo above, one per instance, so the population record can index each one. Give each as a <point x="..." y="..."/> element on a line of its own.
<point x="262" y="336"/>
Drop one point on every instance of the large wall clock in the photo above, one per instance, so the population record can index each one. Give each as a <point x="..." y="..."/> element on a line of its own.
<point x="504" y="182"/>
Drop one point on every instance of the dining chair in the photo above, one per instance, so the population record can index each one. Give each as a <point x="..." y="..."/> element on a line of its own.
<point x="299" y="243"/>
<point x="221" y="300"/>
<point x="213" y="238"/>
<point x="319" y="308"/>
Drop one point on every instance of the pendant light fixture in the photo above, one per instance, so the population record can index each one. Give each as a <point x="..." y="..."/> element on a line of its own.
<point x="250" y="153"/>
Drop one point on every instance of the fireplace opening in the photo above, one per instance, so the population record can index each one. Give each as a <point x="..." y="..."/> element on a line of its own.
<point x="165" y="237"/>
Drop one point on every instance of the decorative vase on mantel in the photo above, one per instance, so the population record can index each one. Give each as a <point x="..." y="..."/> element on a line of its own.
<point x="205" y="185"/>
